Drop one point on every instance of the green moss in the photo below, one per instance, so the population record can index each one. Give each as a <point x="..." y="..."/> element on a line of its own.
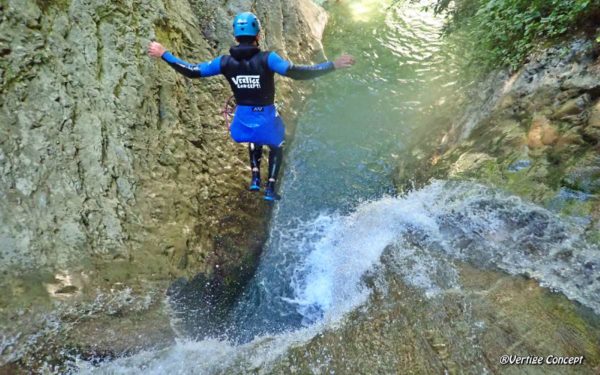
<point x="577" y="208"/>
<point x="169" y="35"/>
<point x="44" y="5"/>
<point x="490" y="171"/>
<point x="593" y="236"/>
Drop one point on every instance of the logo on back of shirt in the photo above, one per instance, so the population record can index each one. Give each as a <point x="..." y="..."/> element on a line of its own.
<point x="246" y="82"/>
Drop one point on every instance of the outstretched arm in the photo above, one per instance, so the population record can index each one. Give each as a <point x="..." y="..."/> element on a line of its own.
<point x="205" y="69"/>
<point x="286" y="68"/>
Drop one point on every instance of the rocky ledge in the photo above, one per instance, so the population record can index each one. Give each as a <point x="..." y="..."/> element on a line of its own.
<point x="534" y="133"/>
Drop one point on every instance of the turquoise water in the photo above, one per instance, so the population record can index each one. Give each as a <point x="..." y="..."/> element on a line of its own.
<point x="358" y="120"/>
<point x="346" y="146"/>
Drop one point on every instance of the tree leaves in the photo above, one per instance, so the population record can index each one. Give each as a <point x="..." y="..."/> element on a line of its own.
<point x="507" y="30"/>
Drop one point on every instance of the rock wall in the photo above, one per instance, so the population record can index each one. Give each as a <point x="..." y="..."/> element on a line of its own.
<point x="114" y="169"/>
<point x="535" y="133"/>
<point x="109" y="155"/>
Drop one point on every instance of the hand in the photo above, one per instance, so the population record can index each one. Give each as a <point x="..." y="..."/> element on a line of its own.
<point x="344" y="61"/>
<point x="156" y="49"/>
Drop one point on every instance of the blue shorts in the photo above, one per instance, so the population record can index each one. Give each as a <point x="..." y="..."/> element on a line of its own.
<point x="260" y="125"/>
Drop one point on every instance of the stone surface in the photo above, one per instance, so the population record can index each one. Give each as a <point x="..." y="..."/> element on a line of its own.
<point x="462" y="331"/>
<point x="592" y="130"/>
<point x="547" y="114"/>
<point x="594" y="119"/>
<point x="572" y="107"/>
<point x="541" y="133"/>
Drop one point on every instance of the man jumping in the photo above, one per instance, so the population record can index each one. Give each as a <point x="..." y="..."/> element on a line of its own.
<point x="250" y="73"/>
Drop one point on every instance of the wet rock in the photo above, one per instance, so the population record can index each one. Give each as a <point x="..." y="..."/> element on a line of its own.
<point x="464" y="330"/>
<point x="594" y="119"/>
<point x="541" y="133"/>
<point x="468" y="161"/>
<point x="109" y="337"/>
<point x="573" y="107"/>
<point x="69" y="289"/>
<point x="519" y="165"/>
<point x="553" y="98"/>
<point x="592" y="130"/>
<point x="585" y="179"/>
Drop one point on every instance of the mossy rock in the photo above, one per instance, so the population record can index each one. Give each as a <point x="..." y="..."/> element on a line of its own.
<point x="44" y="5"/>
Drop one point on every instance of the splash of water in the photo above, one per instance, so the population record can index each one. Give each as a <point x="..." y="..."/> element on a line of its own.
<point x="425" y="232"/>
<point x="428" y="228"/>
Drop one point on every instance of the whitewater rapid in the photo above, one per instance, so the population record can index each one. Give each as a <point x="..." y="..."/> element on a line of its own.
<point x="425" y="233"/>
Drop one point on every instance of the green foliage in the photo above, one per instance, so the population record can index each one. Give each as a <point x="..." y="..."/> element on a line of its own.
<point x="505" y="31"/>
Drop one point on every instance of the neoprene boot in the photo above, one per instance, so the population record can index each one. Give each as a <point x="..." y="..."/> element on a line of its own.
<point x="270" y="194"/>
<point x="255" y="182"/>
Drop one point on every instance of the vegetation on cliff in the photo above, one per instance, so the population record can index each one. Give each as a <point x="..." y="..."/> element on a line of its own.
<point x="504" y="32"/>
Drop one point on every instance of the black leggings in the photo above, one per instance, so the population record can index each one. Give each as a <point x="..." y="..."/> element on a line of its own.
<point x="275" y="158"/>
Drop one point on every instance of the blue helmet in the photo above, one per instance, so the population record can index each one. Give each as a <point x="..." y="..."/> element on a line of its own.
<point x="246" y="24"/>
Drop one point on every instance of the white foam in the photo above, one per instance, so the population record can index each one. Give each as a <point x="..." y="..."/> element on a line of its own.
<point x="424" y="232"/>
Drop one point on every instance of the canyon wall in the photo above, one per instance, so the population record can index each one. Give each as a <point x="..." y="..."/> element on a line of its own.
<point x="534" y="133"/>
<point x="117" y="173"/>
